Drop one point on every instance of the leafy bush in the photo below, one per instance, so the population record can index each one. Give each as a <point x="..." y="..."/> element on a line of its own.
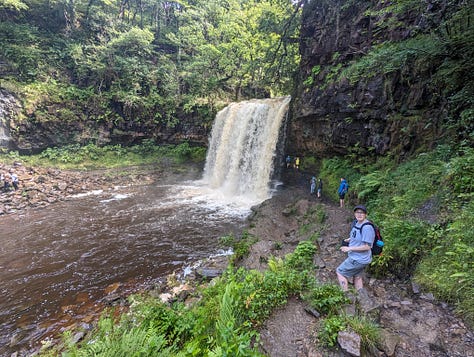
<point x="327" y="298"/>
<point x="241" y="246"/>
<point x="330" y="329"/>
<point x="302" y="257"/>
<point x="93" y="156"/>
<point x="448" y="271"/>
<point x="113" y="339"/>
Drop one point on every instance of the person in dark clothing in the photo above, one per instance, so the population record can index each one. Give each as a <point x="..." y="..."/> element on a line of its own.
<point x="320" y="187"/>
<point x="342" y="190"/>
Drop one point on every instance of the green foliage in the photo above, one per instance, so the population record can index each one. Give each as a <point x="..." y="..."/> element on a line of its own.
<point x="390" y="57"/>
<point x="230" y="41"/>
<point x="221" y="323"/>
<point x="368" y="330"/>
<point x="113" y="339"/>
<point x="302" y="257"/>
<point x="326" y="299"/>
<point x="136" y="64"/>
<point x="448" y="269"/>
<point x="330" y="328"/>
<point x="13" y="4"/>
<point x="424" y="209"/>
<point x="176" y="324"/>
<point x="309" y="163"/>
<point x="332" y="170"/>
<point x="460" y="175"/>
<point x="314" y="73"/>
<point x="241" y="246"/>
<point x="93" y="156"/>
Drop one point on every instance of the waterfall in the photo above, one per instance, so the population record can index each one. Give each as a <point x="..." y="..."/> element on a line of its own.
<point x="242" y="148"/>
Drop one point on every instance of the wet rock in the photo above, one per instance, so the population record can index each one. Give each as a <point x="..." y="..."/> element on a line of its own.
<point x="368" y="305"/>
<point x="78" y="336"/>
<point x="112" y="288"/>
<point x="181" y="292"/>
<point x="415" y="288"/>
<point x="429" y="297"/>
<point x="208" y="273"/>
<point x="112" y="298"/>
<point x="388" y="342"/>
<point x="312" y="312"/>
<point x="349" y="342"/>
<point x="166" y="298"/>
<point x="319" y="262"/>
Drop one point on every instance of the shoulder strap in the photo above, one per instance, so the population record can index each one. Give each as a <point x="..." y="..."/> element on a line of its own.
<point x="368" y="223"/>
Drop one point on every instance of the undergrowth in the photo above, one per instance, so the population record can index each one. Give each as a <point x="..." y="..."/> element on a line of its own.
<point x="92" y="156"/>
<point x="425" y="210"/>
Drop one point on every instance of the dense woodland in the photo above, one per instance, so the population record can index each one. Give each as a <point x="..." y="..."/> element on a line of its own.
<point x="139" y="63"/>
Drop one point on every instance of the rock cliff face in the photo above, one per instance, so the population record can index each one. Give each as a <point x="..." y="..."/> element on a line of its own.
<point x="20" y="131"/>
<point x="397" y="109"/>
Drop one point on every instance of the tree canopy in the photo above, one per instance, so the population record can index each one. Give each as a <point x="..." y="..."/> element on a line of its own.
<point x="144" y="60"/>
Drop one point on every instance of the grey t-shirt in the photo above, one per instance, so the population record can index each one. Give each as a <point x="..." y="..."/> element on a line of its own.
<point x="360" y="237"/>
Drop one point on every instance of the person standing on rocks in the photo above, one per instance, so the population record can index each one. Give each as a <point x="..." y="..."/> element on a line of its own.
<point x="14" y="178"/>
<point x="358" y="250"/>
<point x="312" y="185"/>
<point x="5" y="182"/>
<point x="320" y="188"/>
<point x="342" y="190"/>
<point x="297" y="163"/>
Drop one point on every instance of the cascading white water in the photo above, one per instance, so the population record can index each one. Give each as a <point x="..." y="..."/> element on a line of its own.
<point x="242" y="148"/>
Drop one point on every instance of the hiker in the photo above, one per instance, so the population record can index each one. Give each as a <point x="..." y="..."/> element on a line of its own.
<point x="313" y="184"/>
<point x="342" y="190"/>
<point x="320" y="187"/>
<point x="14" y="179"/>
<point x="288" y="161"/>
<point x="3" y="181"/>
<point x="358" y="250"/>
<point x="297" y="163"/>
<point x="6" y="182"/>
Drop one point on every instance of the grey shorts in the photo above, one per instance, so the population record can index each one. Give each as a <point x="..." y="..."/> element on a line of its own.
<point x="350" y="268"/>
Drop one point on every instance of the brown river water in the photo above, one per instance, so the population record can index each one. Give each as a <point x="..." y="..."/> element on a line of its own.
<point x="57" y="263"/>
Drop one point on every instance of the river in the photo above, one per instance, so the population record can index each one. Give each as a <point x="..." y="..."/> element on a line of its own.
<point x="58" y="263"/>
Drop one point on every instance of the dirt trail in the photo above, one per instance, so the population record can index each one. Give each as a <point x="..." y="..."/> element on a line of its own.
<point x="413" y="323"/>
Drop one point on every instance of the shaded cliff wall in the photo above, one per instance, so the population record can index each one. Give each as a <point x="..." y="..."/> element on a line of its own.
<point x="399" y="110"/>
<point x="22" y="130"/>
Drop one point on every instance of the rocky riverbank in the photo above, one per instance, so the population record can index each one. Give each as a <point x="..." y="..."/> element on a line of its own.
<point x="39" y="187"/>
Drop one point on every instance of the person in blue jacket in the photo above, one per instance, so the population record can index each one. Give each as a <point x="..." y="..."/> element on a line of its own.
<point x="358" y="248"/>
<point x="342" y="190"/>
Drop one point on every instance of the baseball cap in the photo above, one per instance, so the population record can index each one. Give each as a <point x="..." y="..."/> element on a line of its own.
<point x="361" y="207"/>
